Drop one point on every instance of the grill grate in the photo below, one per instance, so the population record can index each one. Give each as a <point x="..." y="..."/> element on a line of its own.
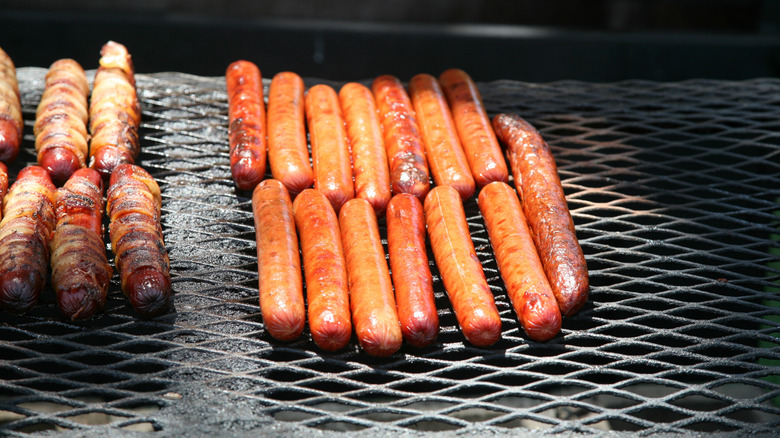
<point x="675" y="191"/>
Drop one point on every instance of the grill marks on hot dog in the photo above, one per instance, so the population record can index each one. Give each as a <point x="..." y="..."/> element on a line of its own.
<point x="544" y="205"/>
<point x="61" y="137"/>
<point x="246" y="129"/>
<point x="80" y="269"/>
<point x="25" y="234"/>
<point x="11" y="123"/>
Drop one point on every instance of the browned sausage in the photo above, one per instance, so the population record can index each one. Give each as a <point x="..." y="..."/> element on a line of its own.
<point x="246" y="128"/>
<point x="371" y="298"/>
<point x="80" y="271"/>
<point x="288" y="153"/>
<point x="545" y="208"/>
<point x="460" y="269"/>
<point x="25" y="234"/>
<point x="61" y="137"/>
<point x="445" y="155"/>
<point x="133" y="205"/>
<point x="114" y="111"/>
<point x="329" y="145"/>
<point x="324" y="269"/>
<point x="3" y="185"/>
<point x="476" y="134"/>
<point x="519" y="264"/>
<point x="405" y="149"/>
<point x="11" y="123"/>
<point x="278" y="261"/>
<point x="369" y="158"/>
<point x="411" y="272"/>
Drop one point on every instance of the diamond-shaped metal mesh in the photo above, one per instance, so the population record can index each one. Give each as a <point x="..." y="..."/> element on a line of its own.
<point x="675" y="192"/>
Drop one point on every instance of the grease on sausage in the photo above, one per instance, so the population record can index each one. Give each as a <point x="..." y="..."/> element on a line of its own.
<point x="246" y="128"/>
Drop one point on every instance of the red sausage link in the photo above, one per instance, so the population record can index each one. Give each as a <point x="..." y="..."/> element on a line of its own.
<point x="25" y="234"/>
<point x="114" y="111"/>
<point x="11" y="123"/>
<point x="460" y="269"/>
<point x="329" y="145"/>
<point x="246" y="128"/>
<point x="278" y="261"/>
<point x="518" y="262"/>
<point x="405" y="149"/>
<point x="369" y="158"/>
<point x="288" y="153"/>
<point x="370" y="288"/>
<point x="61" y="137"/>
<point x="80" y="270"/>
<point x="445" y="155"/>
<point x="325" y="270"/>
<point x="133" y="205"/>
<point x="411" y="272"/>
<point x="476" y="134"/>
<point x="545" y="208"/>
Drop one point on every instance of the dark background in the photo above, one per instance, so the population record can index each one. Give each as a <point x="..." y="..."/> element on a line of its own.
<point x="526" y="40"/>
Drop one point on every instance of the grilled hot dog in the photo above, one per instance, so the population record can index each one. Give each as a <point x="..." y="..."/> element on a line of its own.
<point x="246" y="129"/>
<point x="11" y="123"/>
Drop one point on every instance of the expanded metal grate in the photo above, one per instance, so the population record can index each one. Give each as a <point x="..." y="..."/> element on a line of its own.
<point x="675" y="191"/>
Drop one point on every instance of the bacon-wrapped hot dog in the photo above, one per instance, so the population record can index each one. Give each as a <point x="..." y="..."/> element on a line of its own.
<point x="114" y="111"/>
<point x="246" y="129"/>
<point x="545" y="208"/>
<point x="80" y="271"/>
<point x="61" y="137"/>
<point x="11" y="123"/>
<point x="133" y="203"/>
<point x="3" y="185"/>
<point x="25" y="234"/>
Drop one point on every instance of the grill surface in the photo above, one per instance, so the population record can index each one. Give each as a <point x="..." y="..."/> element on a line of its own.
<point x="675" y="191"/>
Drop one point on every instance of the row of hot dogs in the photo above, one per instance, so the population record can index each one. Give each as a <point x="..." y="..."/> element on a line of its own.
<point x="373" y="152"/>
<point x="84" y="141"/>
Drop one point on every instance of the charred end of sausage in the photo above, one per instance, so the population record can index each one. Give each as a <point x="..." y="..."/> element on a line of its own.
<point x="10" y="138"/>
<point x="20" y="290"/>
<point x="149" y="291"/>
<point x="60" y="163"/>
<point x="81" y="301"/>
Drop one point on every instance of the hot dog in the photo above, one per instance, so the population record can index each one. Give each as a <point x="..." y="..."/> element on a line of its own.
<point x="329" y="145"/>
<point x="371" y="298"/>
<point x="80" y="271"/>
<point x="460" y="269"/>
<point x="411" y="273"/>
<point x="288" y="153"/>
<point x="405" y="149"/>
<point x="133" y="206"/>
<point x="25" y="234"/>
<point x="61" y="137"/>
<point x="278" y="261"/>
<point x="519" y="264"/>
<point x="324" y="269"/>
<point x="369" y="158"/>
<point x="114" y="111"/>
<point x="246" y="128"/>
<point x="545" y="208"/>
<point x="473" y="124"/>
<point x="445" y="155"/>
<point x="11" y="123"/>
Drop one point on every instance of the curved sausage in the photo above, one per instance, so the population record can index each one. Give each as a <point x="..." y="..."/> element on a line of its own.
<point x="460" y="269"/>
<point x="114" y="111"/>
<point x="329" y="145"/>
<point x="324" y="269"/>
<point x="405" y="150"/>
<point x="371" y="298"/>
<point x="288" y="153"/>
<point x="445" y="155"/>
<point x="11" y="123"/>
<point x="473" y="124"/>
<point x="411" y="272"/>
<point x="133" y="206"/>
<point x="519" y="264"/>
<point x="278" y="261"/>
<point x="60" y="129"/>
<point x="545" y="208"/>
<point x="80" y="271"/>
<point x="246" y="128"/>
<point x="369" y="158"/>
<point x="25" y="234"/>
